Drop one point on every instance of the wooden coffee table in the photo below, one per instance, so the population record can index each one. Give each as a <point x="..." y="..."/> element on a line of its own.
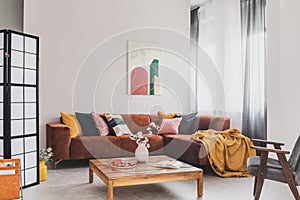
<point x="142" y="173"/>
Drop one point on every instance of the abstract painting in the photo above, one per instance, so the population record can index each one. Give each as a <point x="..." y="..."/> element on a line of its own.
<point x="143" y="68"/>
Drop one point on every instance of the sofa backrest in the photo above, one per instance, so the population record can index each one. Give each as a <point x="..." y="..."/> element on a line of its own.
<point x="218" y="123"/>
<point x="137" y="122"/>
<point x="140" y="122"/>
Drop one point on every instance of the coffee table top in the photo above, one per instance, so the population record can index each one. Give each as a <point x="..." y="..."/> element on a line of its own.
<point x="141" y="169"/>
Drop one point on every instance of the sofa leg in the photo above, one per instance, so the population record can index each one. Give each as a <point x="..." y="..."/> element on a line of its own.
<point x="56" y="163"/>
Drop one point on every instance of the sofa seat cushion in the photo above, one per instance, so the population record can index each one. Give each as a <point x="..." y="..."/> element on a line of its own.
<point x="95" y="147"/>
<point x="182" y="147"/>
<point x="129" y="146"/>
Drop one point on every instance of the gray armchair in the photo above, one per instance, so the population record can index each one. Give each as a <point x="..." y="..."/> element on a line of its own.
<point x="280" y="170"/>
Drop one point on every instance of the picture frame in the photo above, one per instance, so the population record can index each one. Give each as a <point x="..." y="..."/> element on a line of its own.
<point x="143" y="68"/>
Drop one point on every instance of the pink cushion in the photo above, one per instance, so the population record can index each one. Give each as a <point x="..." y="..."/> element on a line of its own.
<point x="169" y="126"/>
<point x="100" y="124"/>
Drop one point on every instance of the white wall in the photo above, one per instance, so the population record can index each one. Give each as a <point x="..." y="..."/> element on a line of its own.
<point x="11" y="14"/>
<point x="83" y="54"/>
<point x="283" y="70"/>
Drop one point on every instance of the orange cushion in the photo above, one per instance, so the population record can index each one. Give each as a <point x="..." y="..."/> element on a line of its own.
<point x="71" y="121"/>
<point x="166" y="115"/>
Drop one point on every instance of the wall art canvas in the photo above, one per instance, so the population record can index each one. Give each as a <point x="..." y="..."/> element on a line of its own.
<point x="143" y="68"/>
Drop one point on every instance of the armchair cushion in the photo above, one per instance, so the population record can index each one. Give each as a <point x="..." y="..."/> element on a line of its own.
<point x="263" y="167"/>
<point x="254" y="161"/>
<point x="274" y="169"/>
<point x="295" y="157"/>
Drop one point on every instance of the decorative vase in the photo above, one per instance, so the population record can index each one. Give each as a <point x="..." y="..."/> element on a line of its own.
<point x="141" y="153"/>
<point x="43" y="171"/>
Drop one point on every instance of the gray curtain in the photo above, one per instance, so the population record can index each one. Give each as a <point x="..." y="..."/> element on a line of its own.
<point x="254" y="121"/>
<point x="194" y="24"/>
<point x="194" y="36"/>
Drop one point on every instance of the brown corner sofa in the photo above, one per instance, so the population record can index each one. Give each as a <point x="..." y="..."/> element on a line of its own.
<point x="179" y="146"/>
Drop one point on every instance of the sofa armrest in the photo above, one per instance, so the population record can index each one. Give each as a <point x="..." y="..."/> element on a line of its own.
<point x="218" y="123"/>
<point x="59" y="139"/>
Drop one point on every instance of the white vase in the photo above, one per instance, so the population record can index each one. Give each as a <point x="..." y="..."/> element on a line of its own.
<point x="141" y="153"/>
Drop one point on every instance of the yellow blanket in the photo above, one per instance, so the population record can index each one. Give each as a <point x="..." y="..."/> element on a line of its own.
<point x="227" y="150"/>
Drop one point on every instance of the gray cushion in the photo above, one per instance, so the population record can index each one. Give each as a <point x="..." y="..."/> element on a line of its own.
<point x="87" y="124"/>
<point x="295" y="156"/>
<point x="254" y="161"/>
<point x="274" y="170"/>
<point x="297" y="177"/>
<point x="186" y="125"/>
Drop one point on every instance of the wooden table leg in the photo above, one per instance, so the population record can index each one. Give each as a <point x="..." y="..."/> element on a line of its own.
<point x="91" y="177"/>
<point x="110" y="191"/>
<point x="200" y="186"/>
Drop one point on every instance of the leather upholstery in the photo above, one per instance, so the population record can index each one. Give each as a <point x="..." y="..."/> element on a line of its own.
<point x="185" y="149"/>
<point x="177" y="146"/>
<point x="59" y="138"/>
<point x="128" y="146"/>
<point x="217" y="123"/>
<point x="137" y="122"/>
<point x="95" y="147"/>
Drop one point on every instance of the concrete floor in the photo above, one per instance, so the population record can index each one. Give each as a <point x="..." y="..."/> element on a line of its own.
<point x="70" y="181"/>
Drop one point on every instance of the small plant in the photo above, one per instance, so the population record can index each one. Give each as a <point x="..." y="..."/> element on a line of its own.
<point x="140" y="139"/>
<point x="151" y="127"/>
<point x="46" y="154"/>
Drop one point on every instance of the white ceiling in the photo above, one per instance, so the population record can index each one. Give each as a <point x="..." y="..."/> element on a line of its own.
<point x="195" y="3"/>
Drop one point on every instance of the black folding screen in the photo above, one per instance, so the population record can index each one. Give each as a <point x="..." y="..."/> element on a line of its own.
<point x="19" y="107"/>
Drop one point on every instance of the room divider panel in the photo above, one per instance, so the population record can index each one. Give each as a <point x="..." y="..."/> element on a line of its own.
<point x="19" y="105"/>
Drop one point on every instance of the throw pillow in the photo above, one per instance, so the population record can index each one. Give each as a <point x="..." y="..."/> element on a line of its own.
<point x="163" y="115"/>
<point x="71" y="121"/>
<point x="87" y="124"/>
<point x="100" y="124"/>
<point x="117" y="124"/>
<point x="111" y="130"/>
<point x="187" y="124"/>
<point x="169" y="126"/>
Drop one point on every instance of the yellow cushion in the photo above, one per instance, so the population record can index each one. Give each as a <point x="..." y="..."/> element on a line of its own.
<point x="166" y="115"/>
<point x="71" y="121"/>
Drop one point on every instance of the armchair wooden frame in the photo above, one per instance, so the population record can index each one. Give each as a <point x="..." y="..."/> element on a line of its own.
<point x="259" y="179"/>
